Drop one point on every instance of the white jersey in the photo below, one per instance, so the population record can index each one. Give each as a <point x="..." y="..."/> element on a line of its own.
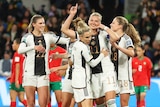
<point x="69" y="69"/>
<point x="99" y="42"/>
<point x="82" y="60"/>
<point x="103" y="75"/>
<point x="69" y="47"/>
<point x="37" y="63"/>
<point x="121" y="61"/>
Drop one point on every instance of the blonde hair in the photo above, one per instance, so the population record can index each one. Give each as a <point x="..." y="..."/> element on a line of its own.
<point x="82" y="27"/>
<point x="75" y="22"/>
<point x="97" y="14"/>
<point x="129" y="29"/>
<point x="33" y="20"/>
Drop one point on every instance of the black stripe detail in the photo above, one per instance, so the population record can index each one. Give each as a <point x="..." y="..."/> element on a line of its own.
<point x="58" y="40"/>
<point x="76" y="35"/>
<point x="90" y="60"/>
<point x="83" y="61"/>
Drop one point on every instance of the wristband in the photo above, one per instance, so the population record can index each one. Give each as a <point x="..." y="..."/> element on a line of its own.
<point x="105" y="28"/>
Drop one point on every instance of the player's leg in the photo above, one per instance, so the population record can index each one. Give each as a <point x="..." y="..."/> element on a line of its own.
<point x="98" y="94"/>
<point x="30" y="94"/>
<point x="100" y="102"/>
<point x="137" y="91"/>
<point x="124" y="99"/>
<point x="67" y="92"/>
<point x="58" y="95"/>
<point x="49" y="98"/>
<point x="126" y="89"/>
<point x="143" y="90"/>
<point x="21" y="98"/>
<point x="13" y="95"/>
<point x="66" y="99"/>
<point x="87" y="103"/>
<point x="42" y="90"/>
<point x="110" y="87"/>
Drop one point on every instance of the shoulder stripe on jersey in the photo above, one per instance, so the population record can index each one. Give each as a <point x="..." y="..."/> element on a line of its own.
<point x="58" y="40"/>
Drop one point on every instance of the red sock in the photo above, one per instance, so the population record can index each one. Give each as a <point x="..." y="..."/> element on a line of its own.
<point x="13" y="104"/>
<point x="24" y="102"/>
<point x="59" y="104"/>
<point x="138" y="103"/>
<point x="49" y="104"/>
<point x="142" y="103"/>
<point x="94" y="103"/>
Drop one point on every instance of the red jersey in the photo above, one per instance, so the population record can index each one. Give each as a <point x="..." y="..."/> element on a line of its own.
<point x="17" y="59"/>
<point x="55" y="62"/>
<point x="143" y="71"/>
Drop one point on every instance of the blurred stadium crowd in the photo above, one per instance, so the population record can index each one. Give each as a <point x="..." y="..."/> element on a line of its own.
<point x="15" y="16"/>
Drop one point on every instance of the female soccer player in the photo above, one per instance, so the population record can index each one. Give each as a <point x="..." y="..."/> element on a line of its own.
<point x="56" y="80"/>
<point x="81" y="60"/>
<point x="16" y="88"/>
<point x="36" y="44"/>
<point x="141" y="66"/>
<point x="122" y="53"/>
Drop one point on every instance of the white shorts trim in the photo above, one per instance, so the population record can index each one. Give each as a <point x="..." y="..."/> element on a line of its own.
<point x="36" y="81"/>
<point x="67" y="86"/>
<point x="96" y="85"/>
<point x="109" y="83"/>
<point x="83" y="93"/>
<point x="126" y="86"/>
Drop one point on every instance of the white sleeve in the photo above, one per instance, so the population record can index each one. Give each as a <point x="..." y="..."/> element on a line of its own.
<point x="89" y="58"/>
<point x="63" y="40"/>
<point x="23" y="48"/>
<point x="57" y="39"/>
<point x="94" y="62"/>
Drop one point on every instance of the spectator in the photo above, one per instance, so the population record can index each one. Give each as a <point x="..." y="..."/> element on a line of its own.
<point x="15" y="32"/>
<point x="41" y="11"/>
<point x="53" y="25"/>
<point x="156" y="52"/>
<point x="2" y="40"/>
<point x="148" y="50"/>
<point x="157" y="69"/>
<point x="157" y="35"/>
<point x="5" y="64"/>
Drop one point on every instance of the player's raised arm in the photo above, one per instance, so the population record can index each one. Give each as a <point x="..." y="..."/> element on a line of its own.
<point x="65" y="27"/>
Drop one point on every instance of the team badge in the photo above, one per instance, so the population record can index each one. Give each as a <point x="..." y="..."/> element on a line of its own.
<point x="93" y="41"/>
<point x="113" y="49"/>
<point x="128" y="43"/>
